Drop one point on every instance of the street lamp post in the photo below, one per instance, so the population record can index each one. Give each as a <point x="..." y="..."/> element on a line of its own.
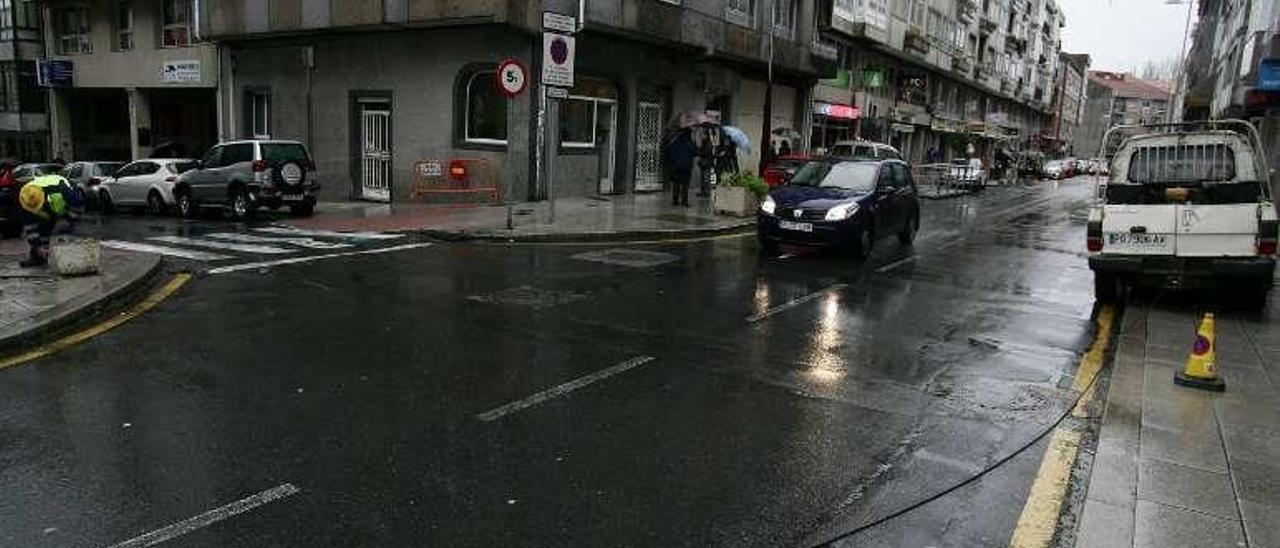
<point x="766" y="127"/>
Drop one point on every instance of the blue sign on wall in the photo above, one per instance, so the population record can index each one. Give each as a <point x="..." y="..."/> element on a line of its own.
<point x="54" y="73"/>
<point x="1269" y="75"/>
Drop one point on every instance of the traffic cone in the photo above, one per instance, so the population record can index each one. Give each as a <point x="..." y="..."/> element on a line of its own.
<point x="1201" y="370"/>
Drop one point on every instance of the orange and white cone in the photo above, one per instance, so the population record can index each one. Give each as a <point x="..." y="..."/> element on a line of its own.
<point x="1201" y="370"/>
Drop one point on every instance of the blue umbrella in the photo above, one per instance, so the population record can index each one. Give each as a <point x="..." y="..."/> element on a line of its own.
<point x="738" y="137"/>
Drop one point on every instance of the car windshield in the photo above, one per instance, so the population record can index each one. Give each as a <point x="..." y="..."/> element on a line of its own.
<point x="283" y="152"/>
<point x="110" y="167"/>
<point x="1194" y="164"/>
<point x="854" y="177"/>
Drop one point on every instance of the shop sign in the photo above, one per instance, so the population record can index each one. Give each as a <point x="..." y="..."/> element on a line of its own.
<point x="843" y="76"/>
<point x="847" y="112"/>
<point x="1269" y="75"/>
<point x="871" y="79"/>
<point x="873" y="13"/>
<point x="180" y="71"/>
<point x="904" y="128"/>
<point x="976" y="128"/>
<point x="54" y="73"/>
<point x="914" y="89"/>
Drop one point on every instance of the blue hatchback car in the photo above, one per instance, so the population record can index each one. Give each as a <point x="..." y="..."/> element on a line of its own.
<point x="848" y="204"/>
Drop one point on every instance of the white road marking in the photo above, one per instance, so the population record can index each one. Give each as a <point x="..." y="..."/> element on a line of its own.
<point x="297" y="260"/>
<point x="793" y="303"/>
<point x="227" y="246"/>
<point x="555" y="392"/>
<point x="300" y="242"/>
<point x="290" y="231"/>
<point x="211" y="517"/>
<point x="895" y="264"/>
<point x="164" y="250"/>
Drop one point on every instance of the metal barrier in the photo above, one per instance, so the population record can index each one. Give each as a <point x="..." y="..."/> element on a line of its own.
<point x="458" y="176"/>
<point x="945" y="180"/>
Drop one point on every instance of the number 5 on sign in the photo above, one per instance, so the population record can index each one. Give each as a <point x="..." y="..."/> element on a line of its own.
<point x="512" y="77"/>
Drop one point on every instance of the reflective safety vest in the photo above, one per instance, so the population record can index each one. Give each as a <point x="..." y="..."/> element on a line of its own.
<point x="45" y="196"/>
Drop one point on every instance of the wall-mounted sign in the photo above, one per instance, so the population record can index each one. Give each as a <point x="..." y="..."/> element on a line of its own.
<point x="871" y="79"/>
<point x="873" y="13"/>
<point x="1269" y="75"/>
<point x="54" y="73"/>
<point x="557" y="59"/>
<point x="512" y="77"/>
<point x="559" y="22"/>
<point x="180" y="71"/>
<point x="847" y="112"/>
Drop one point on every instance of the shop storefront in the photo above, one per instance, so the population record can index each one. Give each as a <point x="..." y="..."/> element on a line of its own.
<point x="832" y="123"/>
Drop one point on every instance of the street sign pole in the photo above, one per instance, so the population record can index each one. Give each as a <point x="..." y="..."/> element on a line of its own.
<point x="557" y="78"/>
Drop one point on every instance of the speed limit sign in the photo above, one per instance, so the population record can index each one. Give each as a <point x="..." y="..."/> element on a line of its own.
<point x="512" y="77"/>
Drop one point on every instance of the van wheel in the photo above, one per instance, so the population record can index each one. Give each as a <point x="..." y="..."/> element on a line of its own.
<point x="1107" y="288"/>
<point x="155" y="204"/>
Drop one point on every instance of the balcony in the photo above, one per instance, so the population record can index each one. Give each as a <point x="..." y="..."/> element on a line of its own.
<point x="962" y="63"/>
<point x="966" y="11"/>
<point x="988" y="24"/>
<point x="916" y="41"/>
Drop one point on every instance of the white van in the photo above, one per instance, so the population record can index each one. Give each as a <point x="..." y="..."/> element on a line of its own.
<point x="1185" y="205"/>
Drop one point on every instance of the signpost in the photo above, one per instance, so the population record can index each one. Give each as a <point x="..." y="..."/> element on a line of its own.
<point x="54" y="73"/>
<point x="558" y="52"/>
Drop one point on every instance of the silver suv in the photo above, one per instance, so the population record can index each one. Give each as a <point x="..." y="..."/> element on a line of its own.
<point x="242" y="176"/>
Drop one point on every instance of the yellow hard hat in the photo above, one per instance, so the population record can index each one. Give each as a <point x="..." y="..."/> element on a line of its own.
<point x="31" y="197"/>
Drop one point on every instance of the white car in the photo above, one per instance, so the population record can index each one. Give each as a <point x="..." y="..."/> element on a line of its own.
<point x="863" y="150"/>
<point x="968" y="173"/>
<point x="1186" y="208"/>
<point x="143" y="183"/>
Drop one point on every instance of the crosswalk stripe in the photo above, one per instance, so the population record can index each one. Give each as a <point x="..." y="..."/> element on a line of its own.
<point x="300" y="242"/>
<point x="291" y="231"/>
<point x="228" y="246"/>
<point x="165" y="250"/>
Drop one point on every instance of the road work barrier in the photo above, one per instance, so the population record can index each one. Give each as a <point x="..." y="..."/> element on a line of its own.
<point x="458" y="180"/>
<point x="1201" y="370"/>
<point x="947" y="180"/>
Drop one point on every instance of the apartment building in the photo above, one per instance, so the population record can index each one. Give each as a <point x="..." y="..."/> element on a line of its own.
<point x="24" y="120"/>
<point x="948" y="75"/>
<point x="375" y="86"/>
<point x="1068" y="103"/>
<point x="1116" y="98"/>
<point x="142" y="82"/>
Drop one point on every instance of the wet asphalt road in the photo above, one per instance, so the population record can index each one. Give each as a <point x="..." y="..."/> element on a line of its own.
<point x="787" y="399"/>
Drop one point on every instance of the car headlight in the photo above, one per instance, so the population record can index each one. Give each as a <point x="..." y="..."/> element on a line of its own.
<point x="842" y="212"/>
<point x="768" y="206"/>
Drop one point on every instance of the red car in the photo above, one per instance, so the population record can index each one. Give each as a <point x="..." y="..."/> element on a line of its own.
<point x="782" y="168"/>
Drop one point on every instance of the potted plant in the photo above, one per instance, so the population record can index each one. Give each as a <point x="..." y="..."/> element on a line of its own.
<point x="740" y="193"/>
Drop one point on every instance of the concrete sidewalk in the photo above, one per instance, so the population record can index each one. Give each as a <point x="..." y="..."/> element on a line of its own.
<point x="577" y="218"/>
<point x="1177" y="467"/>
<point x="36" y="302"/>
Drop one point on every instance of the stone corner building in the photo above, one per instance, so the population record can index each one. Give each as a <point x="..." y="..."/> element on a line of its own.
<point x="374" y="86"/>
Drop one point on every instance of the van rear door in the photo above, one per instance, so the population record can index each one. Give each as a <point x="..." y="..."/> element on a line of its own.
<point x="1139" y="229"/>
<point x="1227" y="230"/>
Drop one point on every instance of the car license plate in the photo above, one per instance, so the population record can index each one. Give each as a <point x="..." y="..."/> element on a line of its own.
<point x="801" y="227"/>
<point x="293" y="197"/>
<point x="1129" y="238"/>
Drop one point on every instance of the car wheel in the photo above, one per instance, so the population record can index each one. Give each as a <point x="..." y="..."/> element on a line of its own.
<point x="186" y="205"/>
<point x="239" y="205"/>
<point x="155" y="204"/>
<point x="105" y="204"/>
<point x="908" y="234"/>
<point x="862" y="247"/>
<point x="304" y="209"/>
<point x="1107" y="288"/>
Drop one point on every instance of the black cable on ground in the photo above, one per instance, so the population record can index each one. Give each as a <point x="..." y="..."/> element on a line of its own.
<point x="1116" y="322"/>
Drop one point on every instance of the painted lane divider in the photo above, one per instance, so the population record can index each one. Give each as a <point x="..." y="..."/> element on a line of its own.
<point x="298" y="260"/>
<point x="560" y="390"/>
<point x="794" y="303"/>
<point x="225" y="246"/>
<point x="300" y="242"/>
<point x="165" y="250"/>
<point x="211" y="517"/>
<point x="290" y="231"/>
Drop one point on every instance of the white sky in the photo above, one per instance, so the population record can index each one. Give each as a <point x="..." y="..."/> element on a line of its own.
<point x="1123" y="34"/>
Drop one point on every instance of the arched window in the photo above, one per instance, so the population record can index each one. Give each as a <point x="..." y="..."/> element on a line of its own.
<point x="485" y="116"/>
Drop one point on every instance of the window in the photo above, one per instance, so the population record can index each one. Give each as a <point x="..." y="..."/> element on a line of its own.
<point x="71" y="28"/>
<point x="585" y="117"/>
<point x="176" y="29"/>
<point x="124" y="26"/>
<point x="237" y="153"/>
<point x="258" y="104"/>
<point x="7" y="80"/>
<point x="740" y="12"/>
<point x="1182" y="164"/>
<point x="213" y="158"/>
<point x="19" y="13"/>
<point x="6" y="14"/>
<point x="485" y="119"/>
<point x="784" y="17"/>
<point x="918" y="11"/>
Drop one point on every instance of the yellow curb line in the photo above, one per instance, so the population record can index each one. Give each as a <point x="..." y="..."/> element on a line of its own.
<point x="1039" y="519"/>
<point x="169" y="288"/>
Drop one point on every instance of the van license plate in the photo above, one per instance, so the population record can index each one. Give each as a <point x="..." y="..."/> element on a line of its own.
<point x="1129" y="238"/>
<point x="801" y="227"/>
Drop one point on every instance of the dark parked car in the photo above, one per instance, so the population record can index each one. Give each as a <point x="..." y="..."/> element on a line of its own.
<point x="242" y="176"/>
<point x="843" y="204"/>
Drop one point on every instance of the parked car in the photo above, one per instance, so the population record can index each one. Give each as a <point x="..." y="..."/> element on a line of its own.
<point x="783" y="168"/>
<point x="10" y="211"/>
<point x="1101" y="167"/>
<point x="863" y="150"/>
<point x="843" y="204"/>
<point x="145" y="183"/>
<point x="968" y="173"/>
<point x="1056" y="169"/>
<point x="242" y="176"/>
<point x="87" y="176"/>
<point x="1191" y="208"/>
<point x="25" y="173"/>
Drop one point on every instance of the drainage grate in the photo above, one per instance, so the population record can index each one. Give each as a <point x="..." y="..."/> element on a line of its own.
<point x="628" y="257"/>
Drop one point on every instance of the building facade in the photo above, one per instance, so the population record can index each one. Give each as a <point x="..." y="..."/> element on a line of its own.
<point x="143" y="83"/>
<point x="376" y="86"/>
<point x="24" y="120"/>
<point x="1118" y="99"/>
<point x="1068" y="103"/>
<point x="947" y="76"/>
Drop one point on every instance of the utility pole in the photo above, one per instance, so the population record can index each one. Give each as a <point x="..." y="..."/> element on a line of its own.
<point x="767" y="126"/>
